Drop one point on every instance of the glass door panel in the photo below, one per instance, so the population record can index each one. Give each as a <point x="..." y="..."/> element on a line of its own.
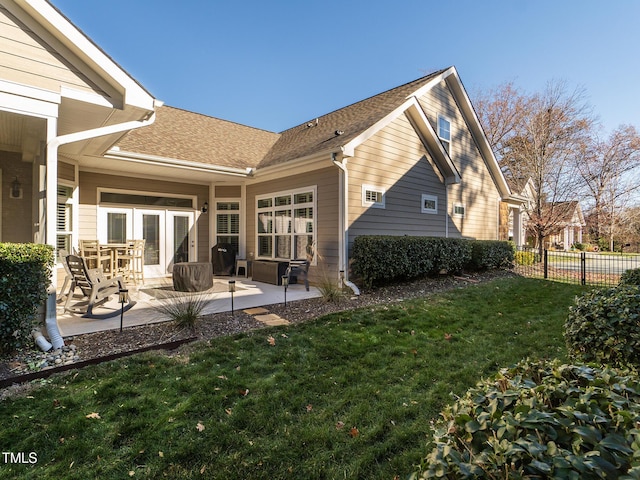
<point x="180" y="238"/>
<point x="150" y="226"/>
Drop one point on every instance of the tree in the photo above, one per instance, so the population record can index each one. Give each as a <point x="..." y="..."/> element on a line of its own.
<point x="608" y="169"/>
<point x="539" y="137"/>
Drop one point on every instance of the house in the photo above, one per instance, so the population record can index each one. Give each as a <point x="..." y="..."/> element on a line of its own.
<point x="566" y="216"/>
<point x="91" y="154"/>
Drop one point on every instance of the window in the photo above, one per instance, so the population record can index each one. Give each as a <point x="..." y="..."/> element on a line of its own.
<point x="444" y="132"/>
<point x="458" y="210"/>
<point x="373" y="196"/>
<point x="429" y="204"/>
<point x="228" y="223"/>
<point x="64" y="217"/>
<point x="286" y="224"/>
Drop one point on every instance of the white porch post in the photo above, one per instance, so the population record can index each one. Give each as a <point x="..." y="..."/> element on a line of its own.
<point x="51" y="188"/>
<point x="517" y="227"/>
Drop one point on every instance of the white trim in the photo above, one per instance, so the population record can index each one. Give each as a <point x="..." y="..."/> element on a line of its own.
<point x="374" y="189"/>
<point x="423" y="209"/>
<point x="442" y="139"/>
<point x="213" y="209"/>
<point x="292" y="207"/>
<point x="457" y="214"/>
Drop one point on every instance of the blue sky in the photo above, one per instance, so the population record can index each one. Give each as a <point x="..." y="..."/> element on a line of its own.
<point x="274" y="65"/>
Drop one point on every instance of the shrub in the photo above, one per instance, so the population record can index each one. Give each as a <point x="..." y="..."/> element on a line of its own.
<point x="184" y="310"/>
<point x="380" y="259"/>
<point x="630" y="277"/>
<point x="25" y="275"/>
<point x="524" y="258"/>
<point x="541" y="420"/>
<point x="604" y="326"/>
<point x="491" y="254"/>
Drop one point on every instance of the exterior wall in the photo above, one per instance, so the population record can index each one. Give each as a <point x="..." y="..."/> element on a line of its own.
<point x="327" y="233"/>
<point x="89" y="183"/>
<point x="26" y="59"/>
<point x="66" y="171"/>
<point x="396" y="160"/>
<point x="17" y="223"/>
<point x="477" y="190"/>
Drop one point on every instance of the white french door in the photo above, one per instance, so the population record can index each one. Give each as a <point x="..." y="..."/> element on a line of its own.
<point x="169" y="235"/>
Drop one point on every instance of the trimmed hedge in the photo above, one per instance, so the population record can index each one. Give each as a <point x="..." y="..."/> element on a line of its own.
<point x="25" y="274"/>
<point x="381" y="259"/>
<point x="604" y="326"/>
<point x="541" y="420"/>
<point x="524" y="258"/>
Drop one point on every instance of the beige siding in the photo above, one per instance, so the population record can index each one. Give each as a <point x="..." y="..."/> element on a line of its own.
<point x="396" y="160"/>
<point x="477" y="190"/>
<point x="228" y="191"/>
<point x="90" y="182"/>
<point x="27" y="59"/>
<point x="66" y="171"/>
<point x="17" y="224"/>
<point x="326" y="181"/>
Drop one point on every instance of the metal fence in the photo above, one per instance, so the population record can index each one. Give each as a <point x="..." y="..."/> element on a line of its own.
<point x="586" y="268"/>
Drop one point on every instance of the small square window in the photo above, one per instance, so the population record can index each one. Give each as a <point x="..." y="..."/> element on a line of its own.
<point x="429" y="204"/>
<point x="373" y="196"/>
<point x="458" y="210"/>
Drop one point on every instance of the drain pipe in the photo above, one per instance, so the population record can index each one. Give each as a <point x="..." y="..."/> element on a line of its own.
<point x="343" y="215"/>
<point x="51" y="319"/>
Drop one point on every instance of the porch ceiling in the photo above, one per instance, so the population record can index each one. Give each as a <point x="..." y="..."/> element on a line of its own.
<point x="22" y="134"/>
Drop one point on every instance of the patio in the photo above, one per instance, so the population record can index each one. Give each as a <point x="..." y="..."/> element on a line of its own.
<point x="248" y="294"/>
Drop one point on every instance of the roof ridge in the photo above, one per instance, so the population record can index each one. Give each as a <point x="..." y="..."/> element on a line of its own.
<point x="398" y="87"/>
<point x="218" y="118"/>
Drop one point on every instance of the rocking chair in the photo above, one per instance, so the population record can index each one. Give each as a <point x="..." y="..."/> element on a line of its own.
<point x="95" y="287"/>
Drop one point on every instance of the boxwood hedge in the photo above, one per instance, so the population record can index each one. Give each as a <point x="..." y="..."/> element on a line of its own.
<point x="541" y="420"/>
<point x="25" y="274"/>
<point x="380" y="259"/>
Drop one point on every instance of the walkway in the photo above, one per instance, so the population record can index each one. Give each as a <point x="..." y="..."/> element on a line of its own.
<point x="249" y="295"/>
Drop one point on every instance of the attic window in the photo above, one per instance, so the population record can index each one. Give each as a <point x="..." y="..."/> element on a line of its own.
<point x="444" y="132"/>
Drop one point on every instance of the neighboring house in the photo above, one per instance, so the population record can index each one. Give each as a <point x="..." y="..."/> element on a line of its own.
<point x="566" y="215"/>
<point x="96" y="156"/>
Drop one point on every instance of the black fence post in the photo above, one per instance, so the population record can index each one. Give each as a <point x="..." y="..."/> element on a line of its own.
<point x="546" y="263"/>
<point x="583" y="268"/>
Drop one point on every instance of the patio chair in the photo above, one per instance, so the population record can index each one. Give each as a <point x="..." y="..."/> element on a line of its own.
<point x="300" y="267"/>
<point x="98" y="256"/>
<point x="95" y="287"/>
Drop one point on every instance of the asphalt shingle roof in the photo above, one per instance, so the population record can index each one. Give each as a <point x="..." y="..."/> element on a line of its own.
<point x="184" y="135"/>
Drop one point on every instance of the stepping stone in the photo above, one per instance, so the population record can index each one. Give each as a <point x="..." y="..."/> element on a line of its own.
<point x="256" y="311"/>
<point x="271" y="320"/>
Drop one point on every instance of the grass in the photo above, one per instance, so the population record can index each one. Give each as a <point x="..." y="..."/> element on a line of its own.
<point x="350" y="395"/>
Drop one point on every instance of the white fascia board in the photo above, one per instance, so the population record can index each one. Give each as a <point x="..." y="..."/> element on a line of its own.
<point x="299" y="165"/>
<point x="412" y="107"/>
<point x="174" y="162"/>
<point x="87" y="97"/>
<point x="81" y="46"/>
<point x="28" y="106"/>
<point x="457" y="89"/>
<point x="28" y="91"/>
<point x="433" y="82"/>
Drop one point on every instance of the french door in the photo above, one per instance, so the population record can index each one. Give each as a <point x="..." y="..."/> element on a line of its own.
<point x="169" y="235"/>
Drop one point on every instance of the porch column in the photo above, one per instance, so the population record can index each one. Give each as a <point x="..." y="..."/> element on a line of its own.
<point x="517" y="227"/>
<point x="50" y="188"/>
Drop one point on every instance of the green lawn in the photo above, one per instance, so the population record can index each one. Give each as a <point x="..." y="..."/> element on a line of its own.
<point x="350" y="395"/>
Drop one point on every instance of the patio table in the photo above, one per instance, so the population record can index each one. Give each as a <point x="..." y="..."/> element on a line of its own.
<point x="192" y="276"/>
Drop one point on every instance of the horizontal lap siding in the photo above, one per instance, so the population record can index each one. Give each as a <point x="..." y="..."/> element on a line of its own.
<point x="327" y="233"/>
<point x="90" y="182"/>
<point x="26" y="59"/>
<point x="396" y="160"/>
<point x="477" y="190"/>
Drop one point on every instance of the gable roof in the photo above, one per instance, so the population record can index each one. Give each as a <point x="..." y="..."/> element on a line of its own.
<point x="320" y="134"/>
<point x="183" y="135"/>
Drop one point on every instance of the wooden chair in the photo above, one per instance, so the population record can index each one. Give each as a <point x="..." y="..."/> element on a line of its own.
<point x="95" y="288"/>
<point x="137" y="252"/>
<point x="300" y="267"/>
<point x="66" y="289"/>
<point x="97" y="256"/>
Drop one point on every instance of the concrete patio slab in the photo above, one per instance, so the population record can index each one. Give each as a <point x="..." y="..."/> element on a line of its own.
<point x="248" y="295"/>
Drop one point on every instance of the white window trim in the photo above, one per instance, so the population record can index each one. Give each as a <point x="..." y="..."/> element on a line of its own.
<point x="442" y="139"/>
<point x="423" y="209"/>
<point x="314" y="205"/>
<point x="373" y="188"/>
<point x="240" y="212"/>
<point x="464" y="208"/>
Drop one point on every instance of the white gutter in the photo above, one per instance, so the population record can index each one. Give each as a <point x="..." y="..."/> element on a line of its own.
<point x="174" y="162"/>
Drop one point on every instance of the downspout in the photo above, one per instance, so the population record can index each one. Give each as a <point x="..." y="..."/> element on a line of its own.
<point x="343" y="215"/>
<point x="53" y="144"/>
